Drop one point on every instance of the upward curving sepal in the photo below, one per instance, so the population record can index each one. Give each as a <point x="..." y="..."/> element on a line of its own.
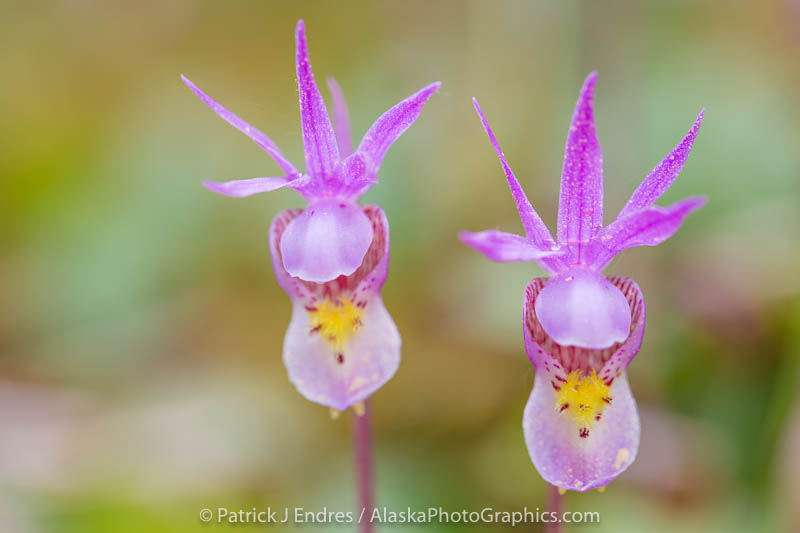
<point x="341" y="119"/>
<point x="389" y="126"/>
<point x="535" y="228"/>
<point x="580" y="206"/>
<point x="263" y="142"/>
<point x="663" y="175"/>
<point x="319" y="140"/>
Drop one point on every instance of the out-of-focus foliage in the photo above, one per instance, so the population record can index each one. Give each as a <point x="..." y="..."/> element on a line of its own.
<point x="141" y="327"/>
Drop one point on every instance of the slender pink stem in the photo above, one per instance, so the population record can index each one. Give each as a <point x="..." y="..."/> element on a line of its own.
<point x="556" y="508"/>
<point x="362" y="444"/>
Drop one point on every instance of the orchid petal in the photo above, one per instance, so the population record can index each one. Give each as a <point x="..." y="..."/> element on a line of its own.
<point x="663" y="175"/>
<point x="580" y="207"/>
<point x="249" y="187"/>
<point x="264" y="142"/>
<point x="389" y="126"/>
<point x="564" y="455"/>
<point x="356" y="174"/>
<point x="328" y="239"/>
<point x="647" y="227"/>
<point x="340" y="377"/>
<point x="319" y="141"/>
<point x="569" y="461"/>
<point x="580" y="307"/>
<point x="504" y="247"/>
<point x="535" y="228"/>
<point x="341" y="120"/>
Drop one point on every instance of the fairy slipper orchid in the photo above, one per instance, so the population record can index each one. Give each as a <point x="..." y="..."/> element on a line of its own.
<point x="331" y="257"/>
<point x="581" y="328"/>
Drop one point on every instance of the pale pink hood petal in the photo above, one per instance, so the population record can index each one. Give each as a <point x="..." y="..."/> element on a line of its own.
<point x="328" y="239"/>
<point x="580" y="307"/>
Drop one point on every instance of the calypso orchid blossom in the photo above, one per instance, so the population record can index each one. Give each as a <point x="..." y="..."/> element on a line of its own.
<point x="582" y="329"/>
<point x="332" y="256"/>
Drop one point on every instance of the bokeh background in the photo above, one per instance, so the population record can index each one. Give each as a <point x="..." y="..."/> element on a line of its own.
<point x="141" y="326"/>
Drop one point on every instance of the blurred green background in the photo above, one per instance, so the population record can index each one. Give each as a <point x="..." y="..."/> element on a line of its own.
<point x="141" y="326"/>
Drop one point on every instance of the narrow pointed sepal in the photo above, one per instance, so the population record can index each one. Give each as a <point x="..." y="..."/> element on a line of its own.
<point x="505" y="247"/>
<point x="535" y="228"/>
<point x="389" y="126"/>
<point x="249" y="187"/>
<point x="663" y="175"/>
<point x="263" y="142"/>
<point x="647" y="227"/>
<point x="341" y="119"/>
<point x="319" y="140"/>
<point x="580" y="206"/>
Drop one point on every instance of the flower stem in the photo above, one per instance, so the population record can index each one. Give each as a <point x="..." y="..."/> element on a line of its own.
<point x="362" y="445"/>
<point x="556" y="508"/>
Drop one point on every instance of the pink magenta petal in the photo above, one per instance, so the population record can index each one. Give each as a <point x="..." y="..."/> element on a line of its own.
<point x="535" y="228"/>
<point x="647" y="227"/>
<point x="249" y="187"/>
<point x="264" y="142"/>
<point x="664" y="174"/>
<point x="356" y="175"/>
<point x="319" y="141"/>
<point x="580" y="307"/>
<point x="569" y="461"/>
<point x="328" y="239"/>
<point x="580" y="206"/>
<point x="389" y="126"/>
<point x="504" y="247"/>
<point x="341" y="119"/>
